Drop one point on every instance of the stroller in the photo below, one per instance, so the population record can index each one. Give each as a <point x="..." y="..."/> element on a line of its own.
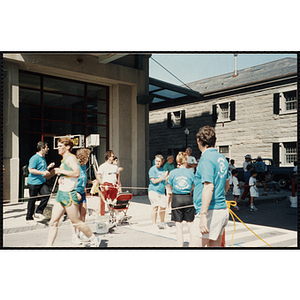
<point x="118" y="209"/>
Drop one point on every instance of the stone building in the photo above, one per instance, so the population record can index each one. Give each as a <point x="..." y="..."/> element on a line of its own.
<point x="46" y="95"/>
<point x="253" y="111"/>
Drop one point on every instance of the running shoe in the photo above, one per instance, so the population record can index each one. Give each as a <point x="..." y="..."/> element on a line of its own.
<point x="39" y="216"/>
<point x="95" y="243"/>
<point x="253" y="208"/>
<point x="236" y="207"/>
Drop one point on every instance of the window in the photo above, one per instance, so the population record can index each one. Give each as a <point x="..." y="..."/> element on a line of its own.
<point x="290" y="100"/>
<point x="290" y="150"/>
<point x="285" y="102"/>
<point x="223" y="112"/>
<point x="176" y="119"/>
<point x="224" y="150"/>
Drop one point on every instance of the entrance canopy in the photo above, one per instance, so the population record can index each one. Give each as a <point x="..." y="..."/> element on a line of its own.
<point x="167" y="94"/>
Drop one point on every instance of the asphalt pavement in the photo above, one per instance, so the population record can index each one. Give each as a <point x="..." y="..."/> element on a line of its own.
<point x="275" y="219"/>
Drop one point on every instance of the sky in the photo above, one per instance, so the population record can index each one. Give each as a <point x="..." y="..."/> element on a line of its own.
<point x="192" y="67"/>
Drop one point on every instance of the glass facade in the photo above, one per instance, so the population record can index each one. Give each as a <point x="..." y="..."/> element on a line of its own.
<point x="51" y="106"/>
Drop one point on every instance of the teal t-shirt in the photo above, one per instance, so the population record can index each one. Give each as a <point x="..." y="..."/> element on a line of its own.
<point x="214" y="168"/>
<point x="168" y="167"/>
<point x="181" y="180"/>
<point x="81" y="183"/>
<point x="39" y="163"/>
<point x="157" y="173"/>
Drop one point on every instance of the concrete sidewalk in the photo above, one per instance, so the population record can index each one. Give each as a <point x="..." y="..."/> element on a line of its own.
<point x="14" y="214"/>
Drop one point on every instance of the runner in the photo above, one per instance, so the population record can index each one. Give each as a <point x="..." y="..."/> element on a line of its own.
<point x="66" y="199"/>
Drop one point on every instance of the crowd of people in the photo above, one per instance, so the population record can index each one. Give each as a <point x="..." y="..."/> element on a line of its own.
<point x="193" y="190"/>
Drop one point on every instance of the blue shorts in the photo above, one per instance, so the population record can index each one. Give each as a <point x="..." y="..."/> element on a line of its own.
<point x="83" y="198"/>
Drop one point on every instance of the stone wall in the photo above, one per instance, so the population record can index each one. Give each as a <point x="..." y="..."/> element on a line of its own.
<point x="253" y="131"/>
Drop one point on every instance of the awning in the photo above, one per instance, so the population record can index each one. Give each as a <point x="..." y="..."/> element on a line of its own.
<point x="167" y="94"/>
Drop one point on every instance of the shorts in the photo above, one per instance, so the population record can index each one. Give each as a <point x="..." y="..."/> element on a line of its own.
<point x="157" y="199"/>
<point x="109" y="190"/>
<point x="185" y="213"/>
<point x="83" y="198"/>
<point x="66" y="198"/>
<point x="217" y="220"/>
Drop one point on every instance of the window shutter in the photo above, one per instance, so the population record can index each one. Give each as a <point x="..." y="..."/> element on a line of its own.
<point x="169" y="122"/>
<point x="214" y="113"/>
<point x="276" y="104"/>
<point x="182" y="120"/>
<point x="276" y="154"/>
<point x="232" y="110"/>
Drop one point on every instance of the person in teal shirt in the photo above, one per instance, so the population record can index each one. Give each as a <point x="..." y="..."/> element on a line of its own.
<point x="169" y="166"/>
<point x="211" y="185"/>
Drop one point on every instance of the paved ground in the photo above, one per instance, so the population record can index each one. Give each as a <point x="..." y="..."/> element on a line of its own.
<point x="140" y="233"/>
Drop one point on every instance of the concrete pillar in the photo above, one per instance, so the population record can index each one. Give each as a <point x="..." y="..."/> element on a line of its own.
<point x="11" y="133"/>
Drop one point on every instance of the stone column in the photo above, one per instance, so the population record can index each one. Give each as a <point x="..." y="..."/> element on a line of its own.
<point x="11" y="159"/>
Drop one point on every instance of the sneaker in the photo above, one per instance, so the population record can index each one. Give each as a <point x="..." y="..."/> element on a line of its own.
<point x="39" y="216"/>
<point x="236" y="207"/>
<point x="253" y="208"/>
<point x="95" y="243"/>
<point x="76" y="240"/>
<point x="83" y="237"/>
<point x="31" y="222"/>
<point x="161" y="226"/>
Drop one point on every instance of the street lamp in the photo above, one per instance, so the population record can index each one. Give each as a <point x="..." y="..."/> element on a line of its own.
<point x="186" y="132"/>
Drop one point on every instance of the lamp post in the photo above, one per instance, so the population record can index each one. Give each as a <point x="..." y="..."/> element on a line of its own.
<point x="186" y="132"/>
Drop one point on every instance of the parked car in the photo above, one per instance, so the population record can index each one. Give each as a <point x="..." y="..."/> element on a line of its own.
<point x="282" y="175"/>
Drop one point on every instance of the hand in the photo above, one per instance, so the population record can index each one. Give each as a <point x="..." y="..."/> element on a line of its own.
<point x="51" y="165"/>
<point x="78" y="196"/>
<point x="46" y="173"/>
<point x="203" y="224"/>
<point x="57" y="171"/>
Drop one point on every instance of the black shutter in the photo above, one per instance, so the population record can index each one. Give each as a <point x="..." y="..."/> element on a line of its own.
<point x="214" y="113"/>
<point x="169" y="122"/>
<point x="182" y="120"/>
<point x="276" y="107"/>
<point x="232" y="110"/>
<point x="276" y="154"/>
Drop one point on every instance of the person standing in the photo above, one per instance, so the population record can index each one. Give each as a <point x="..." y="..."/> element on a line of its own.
<point x="82" y="156"/>
<point x="260" y="168"/>
<point x="36" y="183"/>
<point x="254" y="193"/>
<point x="116" y="162"/>
<point x="192" y="162"/>
<point x="236" y="191"/>
<point x="246" y="184"/>
<point x="181" y="181"/>
<point x="156" y="191"/>
<point x="246" y="162"/>
<point x="211" y="185"/>
<point x="66" y="198"/>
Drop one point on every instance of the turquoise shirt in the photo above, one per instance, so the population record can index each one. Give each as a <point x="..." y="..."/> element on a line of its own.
<point x="81" y="183"/>
<point x="213" y="168"/>
<point x="157" y="173"/>
<point x="181" y="180"/>
<point x="39" y="163"/>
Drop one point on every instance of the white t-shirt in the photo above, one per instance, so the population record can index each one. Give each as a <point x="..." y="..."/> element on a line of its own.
<point x="109" y="172"/>
<point x="192" y="160"/>
<point x="236" y="190"/>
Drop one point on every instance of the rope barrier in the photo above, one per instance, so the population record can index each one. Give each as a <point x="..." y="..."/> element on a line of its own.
<point x="229" y="204"/>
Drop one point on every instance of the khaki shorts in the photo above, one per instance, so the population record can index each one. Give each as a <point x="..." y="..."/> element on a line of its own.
<point x="217" y="220"/>
<point x="157" y="199"/>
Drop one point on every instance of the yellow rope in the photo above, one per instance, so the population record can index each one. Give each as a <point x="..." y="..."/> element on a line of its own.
<point x="233" y="203"/>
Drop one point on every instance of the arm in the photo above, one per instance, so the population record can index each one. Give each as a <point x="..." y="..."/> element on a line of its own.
<point x="99" y="178"/>
<point x="36" y="172"/>
<point x="72" y="162"/>
<point x="158" y="180"/>
<point x="207" y="193"/>
<point x="227" y="186"/>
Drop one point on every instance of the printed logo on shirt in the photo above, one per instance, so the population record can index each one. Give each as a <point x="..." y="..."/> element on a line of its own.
<point x="181" y="183"/>
<point x="222" y="167"/>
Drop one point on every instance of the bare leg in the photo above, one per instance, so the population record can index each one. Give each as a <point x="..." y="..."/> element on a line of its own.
<point x="162" y="213"/>
<point x="73" y="214"/>
<point x="154" y="214"/>
<point x="179" y="234"/>
<point x="57" y="212"/>
<point x="216" y="243"/>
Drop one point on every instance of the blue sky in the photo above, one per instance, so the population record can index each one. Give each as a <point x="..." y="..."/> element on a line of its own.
<point x="192" y="67"/>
